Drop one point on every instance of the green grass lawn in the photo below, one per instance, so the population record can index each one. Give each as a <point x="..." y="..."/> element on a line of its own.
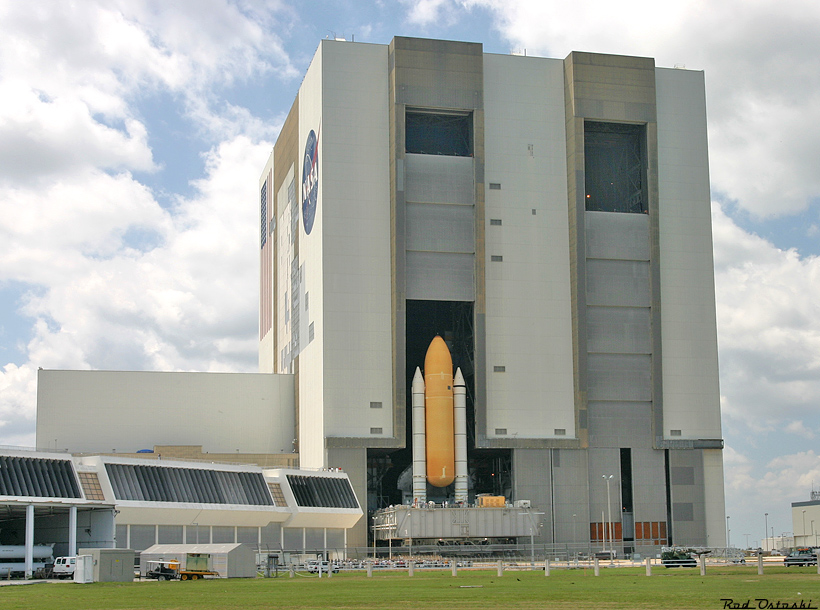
<point x="614" y="588"/>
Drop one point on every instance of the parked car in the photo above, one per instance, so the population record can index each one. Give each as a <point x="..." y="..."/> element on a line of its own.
<point x="313" y="567"/>
<point x="801" y="557"/>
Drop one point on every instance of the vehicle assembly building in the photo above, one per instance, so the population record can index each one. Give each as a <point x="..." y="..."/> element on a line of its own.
<point x="548" y="219"/>
<point x="484" y="279"/>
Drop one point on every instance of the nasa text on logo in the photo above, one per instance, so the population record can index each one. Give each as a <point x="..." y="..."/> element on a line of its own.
<point x="310" y="181"/>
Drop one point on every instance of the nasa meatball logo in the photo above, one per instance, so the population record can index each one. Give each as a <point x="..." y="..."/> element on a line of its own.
<point x="310" y="181"/>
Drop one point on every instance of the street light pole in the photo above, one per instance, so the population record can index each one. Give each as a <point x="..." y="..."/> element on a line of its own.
<point x="804" y="527"/>
<point x="533" y="525"/>
<point x="574" y="541"/>
<point x="608" y="478"/>
<point x="532" y="548"/>
<point x="766" y="530"/>
<point x="728" y="534"/>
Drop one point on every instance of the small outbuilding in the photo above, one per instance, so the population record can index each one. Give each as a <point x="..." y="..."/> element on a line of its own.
<point x="111" y="565"/>
<point x="232" y="560"/>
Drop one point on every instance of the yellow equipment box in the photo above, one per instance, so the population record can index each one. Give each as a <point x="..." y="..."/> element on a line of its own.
<point x="491" y="501"/>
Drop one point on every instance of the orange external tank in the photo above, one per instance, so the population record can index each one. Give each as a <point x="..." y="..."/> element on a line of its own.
<point x="438" y="408"/>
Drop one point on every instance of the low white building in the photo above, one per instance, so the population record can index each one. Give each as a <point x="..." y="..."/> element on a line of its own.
<point x="806" y="521"/>
<point x="107" y="502"/>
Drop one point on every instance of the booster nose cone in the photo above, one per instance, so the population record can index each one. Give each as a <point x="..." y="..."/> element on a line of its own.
<point x="418" y="382"/>
<point x="438" y="381"/>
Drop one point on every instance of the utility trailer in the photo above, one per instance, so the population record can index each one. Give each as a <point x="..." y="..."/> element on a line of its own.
<point x="197" y="565"/>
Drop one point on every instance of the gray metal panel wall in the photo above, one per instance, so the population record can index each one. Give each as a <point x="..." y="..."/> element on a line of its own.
<point x="440" y="276"/>
<point x="532" y="480"/>
<point x="648" y="492"/>
<point x="571" y="515"/>
<point x="457" y="522"/>
<point x="619" y="377"/>
<point x="648" y="484"/>
<point x="612" y="87"/>
<point x="438" y="73"/>
<point x="617" y="236"/>
<point x="619" y="330"/>
<point x="435" y="227"/>
<point x="618" y="283"/>
<point x="439" y="179"/>
<point x="621" y="424"/>
<point x="688" y="501"/>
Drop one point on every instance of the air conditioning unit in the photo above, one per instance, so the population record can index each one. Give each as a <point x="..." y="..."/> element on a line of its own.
<point x="522" y="504"/>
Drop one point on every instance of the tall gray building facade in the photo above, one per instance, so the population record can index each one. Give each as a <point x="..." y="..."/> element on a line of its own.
<point x="551" y="220"/>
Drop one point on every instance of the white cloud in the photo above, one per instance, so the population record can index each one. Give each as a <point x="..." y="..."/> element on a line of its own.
<point x="18" y="387"/>
<point x="788" y="477"/>
<point x="73" y="71"/>
<point x="799" y="428"/>
<point x="425" y="12"/>
<point x="49" y="235"/>
<point x="40" y="137"/>
<point x="768" y="305"/>
<point x="162" y="308"/>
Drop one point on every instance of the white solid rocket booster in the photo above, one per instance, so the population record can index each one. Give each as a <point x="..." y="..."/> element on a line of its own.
<point x="419" y="440"/>
<point x="460" y="432"/>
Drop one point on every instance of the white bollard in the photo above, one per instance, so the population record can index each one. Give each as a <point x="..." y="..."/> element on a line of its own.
<point x="453" y="567"/>
<point x="648" y="566"/>
<point x="546" y="567"/>
<point x="596" y="567"/>
<point x="291" y="573"/>
<point x="500" y="568"/>
<point x="369" y="570"/>
<point x="760" y="565"/>
<point x="411" y="568"/>
<point x="702" y="559"/>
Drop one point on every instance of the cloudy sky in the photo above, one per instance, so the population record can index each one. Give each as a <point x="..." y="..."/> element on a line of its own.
<point x="133" y="132"/>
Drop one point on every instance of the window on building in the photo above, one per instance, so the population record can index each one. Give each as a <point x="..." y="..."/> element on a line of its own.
<point x="91" y="486"/>
<point x="322" y="492"/>
<point x="429" y="133"/>
<point x="615" y="167"/>
<point x="277" y="495"/>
